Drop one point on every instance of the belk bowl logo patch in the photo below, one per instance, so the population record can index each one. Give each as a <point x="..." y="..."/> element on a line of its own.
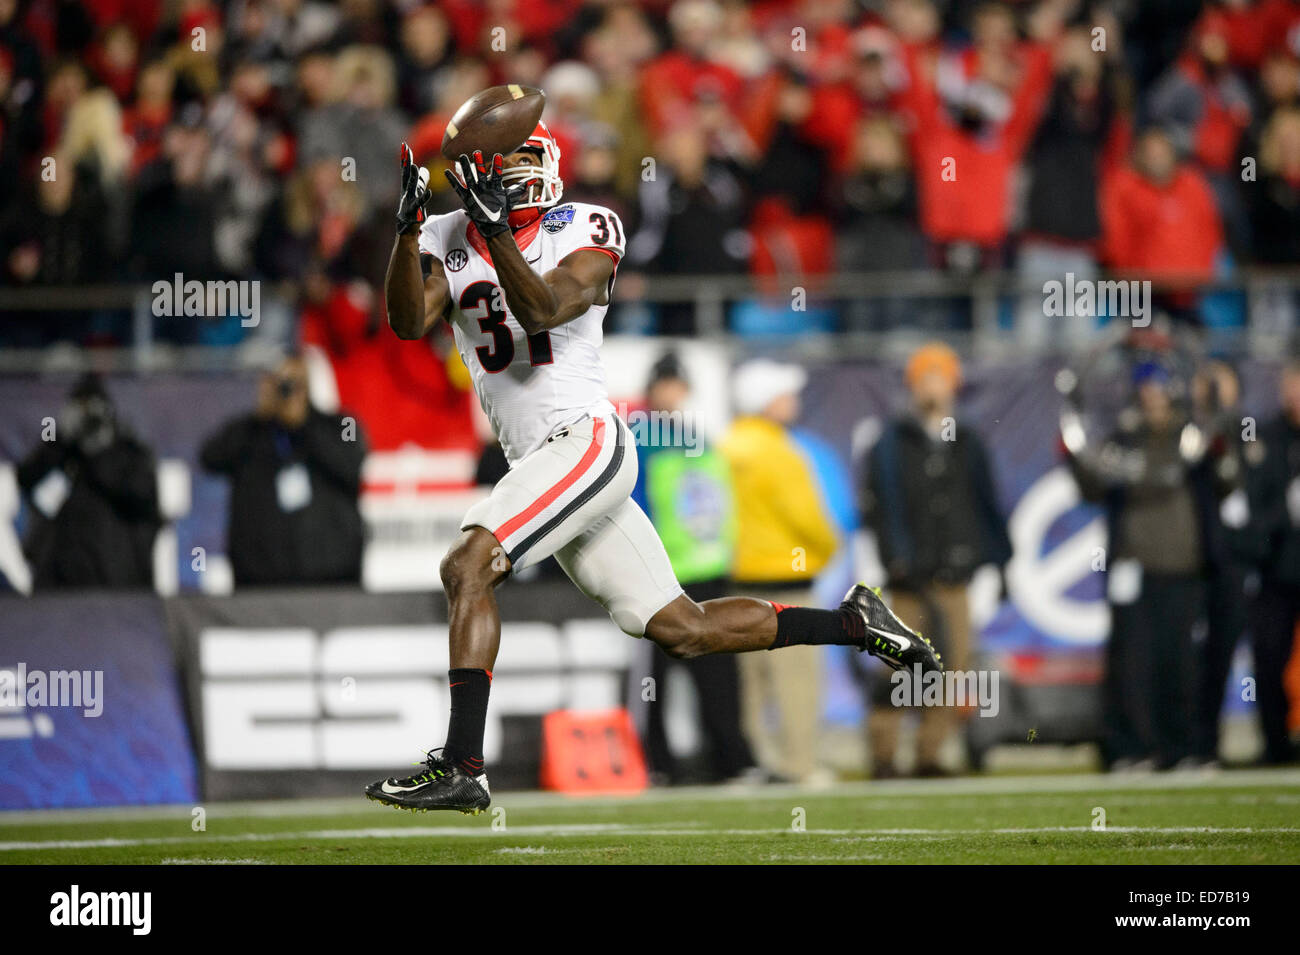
<point x="456" y="260"/>
<point x="557" y="219"/>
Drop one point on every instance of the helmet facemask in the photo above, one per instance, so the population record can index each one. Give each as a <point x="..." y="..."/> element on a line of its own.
<point x="536" y="185"/>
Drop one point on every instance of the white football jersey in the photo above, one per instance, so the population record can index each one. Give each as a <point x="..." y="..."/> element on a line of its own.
<point x="528" y="386"/>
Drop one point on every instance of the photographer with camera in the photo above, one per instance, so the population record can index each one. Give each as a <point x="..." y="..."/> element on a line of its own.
<point x="95" y="496"/>
<point x="295" y="475"/>
<point x="1161" y="480"/>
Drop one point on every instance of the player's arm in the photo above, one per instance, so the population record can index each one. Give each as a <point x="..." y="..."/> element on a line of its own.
<point x="415" y="300"/>
<point x="540" y="302"/>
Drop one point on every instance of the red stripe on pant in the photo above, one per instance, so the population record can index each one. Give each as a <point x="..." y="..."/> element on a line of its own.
<point x="566" y="482"/>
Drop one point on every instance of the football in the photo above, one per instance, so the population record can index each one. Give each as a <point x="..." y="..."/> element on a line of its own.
<point x="497" y="120"/>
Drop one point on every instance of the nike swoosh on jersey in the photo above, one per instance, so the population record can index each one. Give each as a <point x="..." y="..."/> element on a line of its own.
<point x="492" y="216"/>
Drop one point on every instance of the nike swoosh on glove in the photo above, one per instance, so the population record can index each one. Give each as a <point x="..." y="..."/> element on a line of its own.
<point x="415" y="193"/>
<point x="483" y="193"/>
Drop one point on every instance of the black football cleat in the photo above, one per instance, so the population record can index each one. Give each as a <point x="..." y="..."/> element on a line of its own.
<point x="441" y="785"/>
<point x="888" y="637"/>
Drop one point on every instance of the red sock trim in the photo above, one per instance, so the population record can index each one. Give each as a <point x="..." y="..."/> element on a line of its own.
<point x="779" y="607"/>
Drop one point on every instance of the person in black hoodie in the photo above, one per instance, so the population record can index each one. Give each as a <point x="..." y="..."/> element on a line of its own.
<point x="930" y="498"/>
<point x="295" y="476"/>
<point x="94" y="488"/>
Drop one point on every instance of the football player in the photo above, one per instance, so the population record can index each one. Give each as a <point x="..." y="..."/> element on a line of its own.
<point x="525" y="280"/>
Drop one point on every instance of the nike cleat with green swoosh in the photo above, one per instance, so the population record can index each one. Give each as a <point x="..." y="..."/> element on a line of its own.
<point x="889" y="638"/>
<point x="441" y="784"/>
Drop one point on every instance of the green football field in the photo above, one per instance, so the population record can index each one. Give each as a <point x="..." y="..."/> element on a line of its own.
<point x="1227" y="817"/>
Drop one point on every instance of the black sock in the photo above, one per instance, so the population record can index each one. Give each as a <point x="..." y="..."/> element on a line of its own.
<point x="804" y="625"/>
<point x="469" y="700"/>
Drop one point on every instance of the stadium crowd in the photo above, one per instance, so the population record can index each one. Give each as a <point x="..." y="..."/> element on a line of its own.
<point x="782" y="138"/>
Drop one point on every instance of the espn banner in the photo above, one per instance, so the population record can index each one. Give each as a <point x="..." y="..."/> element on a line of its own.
<point x="297" y="693"/>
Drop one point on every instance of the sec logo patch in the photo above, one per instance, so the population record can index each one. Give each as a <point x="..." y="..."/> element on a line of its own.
<point x="557" y="219"/>
<point x="456" y="260"/>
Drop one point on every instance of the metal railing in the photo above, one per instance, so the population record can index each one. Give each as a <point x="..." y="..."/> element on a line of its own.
<point x="1269" y="300"/>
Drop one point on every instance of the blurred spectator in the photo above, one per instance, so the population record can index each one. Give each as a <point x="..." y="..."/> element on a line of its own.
<point x="690" y="71"/>
<point x="1205" y="106"/>
<point x="295" y="474"/>
<point x="115" y="59"/>
<point x="1157" y="478"/>
<point x="55" y="237"/>
<point x="1277" y="88"/>
<point x="974" y="112"/>
<point x="95" y="496"/>
<point x="1277" y="609"/>
<point x="66" y="231"/>
<point x="359" y="123"/>
<point x="872" y="89"/>
<point x="685" y="489"/>
<point x="319" y="217"/>
<point x="692" y="218"/>
<point x="1159" y="218"/>
<point x="300" y="25"/>
<point x="785" y="536"/>
<point x="249" y="156"/>
<point x="594" y="175"/>
<point x="173" y="227"/>
<point x="616" y="49"/>
<point x="197" y="53"/>
<point x="1275" y="198"/>
<point x="147" y="120"/>
<point x="1216" y="396"/>
<point x="1274" y="204"/>
<point x="876" y="219"/>
<point x="932" y="503"/>
<point x="1081" y="125"/>
<point x="402" y="392"/>
<point x="426" y="49"/>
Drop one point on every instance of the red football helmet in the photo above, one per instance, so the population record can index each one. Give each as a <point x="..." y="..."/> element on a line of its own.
<point x="542" y="183"/>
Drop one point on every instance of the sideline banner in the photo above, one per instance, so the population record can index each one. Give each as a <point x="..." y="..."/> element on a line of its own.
<point x="90" y="704"/>
<point x="298" y="693"/>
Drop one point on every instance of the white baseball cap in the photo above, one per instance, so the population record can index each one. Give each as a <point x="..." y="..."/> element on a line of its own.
<point x="756" y="384"/>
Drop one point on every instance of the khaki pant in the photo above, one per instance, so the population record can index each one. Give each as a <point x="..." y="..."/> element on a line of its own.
<point x="937" y="722"/>
<point x="789" y="681"/>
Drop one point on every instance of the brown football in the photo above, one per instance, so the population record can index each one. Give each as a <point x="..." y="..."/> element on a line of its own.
<point x="496" y="120"/>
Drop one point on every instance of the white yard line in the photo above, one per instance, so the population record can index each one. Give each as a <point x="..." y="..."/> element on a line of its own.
<point x="579" y="830"/>
<point x="962" y="786"/>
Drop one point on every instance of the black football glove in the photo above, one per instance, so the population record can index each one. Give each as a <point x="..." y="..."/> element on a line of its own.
<point x="415" y="193"/>
<point x="484" y="194"/>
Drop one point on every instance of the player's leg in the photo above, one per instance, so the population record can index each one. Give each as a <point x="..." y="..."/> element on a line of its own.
<point x="688" y="629"/>
<point x="454" y="777"/>
<point x="578" y="475"/>
<point x="470" y="572"/>
<point x="621" y="563"/>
